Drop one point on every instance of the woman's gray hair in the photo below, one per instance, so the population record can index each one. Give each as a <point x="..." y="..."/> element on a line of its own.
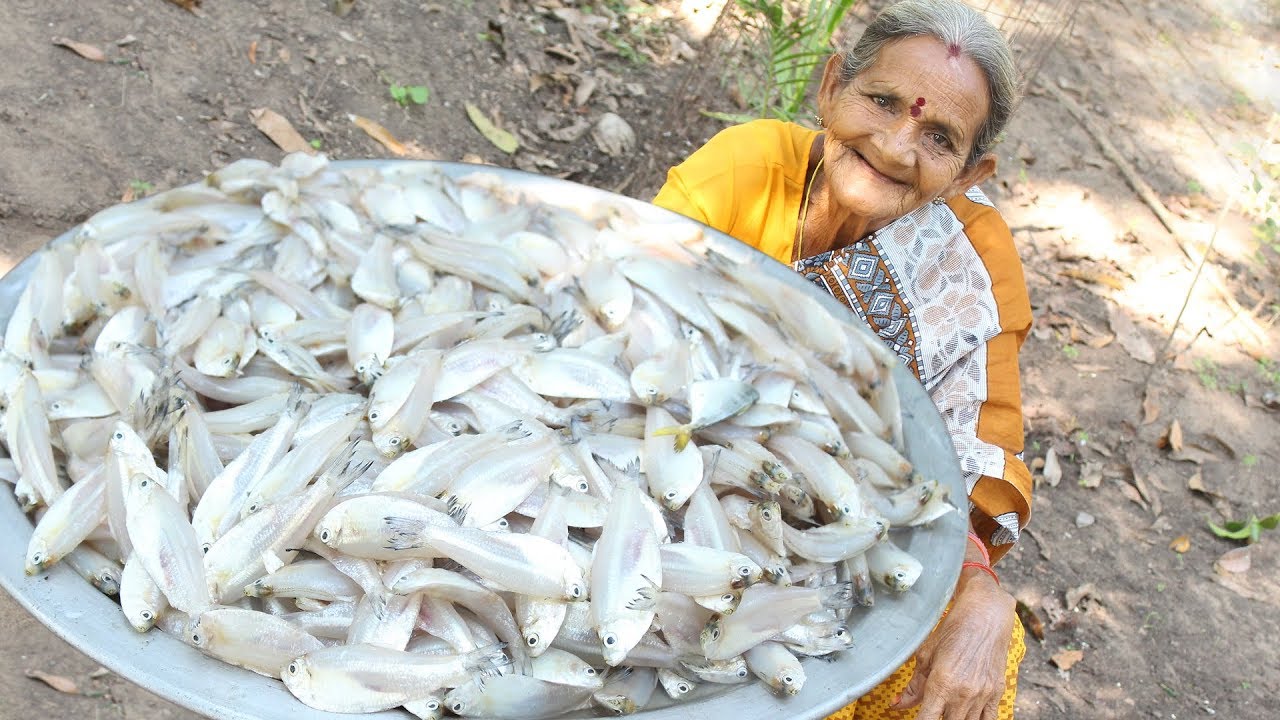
<point x="963" y="30"/>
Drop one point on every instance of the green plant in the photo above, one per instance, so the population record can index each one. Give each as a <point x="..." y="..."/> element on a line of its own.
<point x="1207" y="371"/>
<point x="634" y="26"/>
<point x="1248" y="530"/>
<point x="1071" y="351"/>
<point x="1269" y="370"/>
<point x="405" y="94"/>
<point x="791" y="45"/>
<point x="1249" y="460"/>
<point x="316" y="143"/>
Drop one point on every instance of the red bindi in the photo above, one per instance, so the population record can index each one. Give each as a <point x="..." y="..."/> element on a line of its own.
<point x="915" y="109"/>
<point x="953" y="50"/>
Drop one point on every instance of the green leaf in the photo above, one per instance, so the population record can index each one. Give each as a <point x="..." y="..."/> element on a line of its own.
<point x="1241" y="532"/>
<point x="398" y="93"/>
<point x="1270" y="523"/>
<point x="735" y="118"/>
<point x="418" y="94"/>
<point x="503" y="140"/>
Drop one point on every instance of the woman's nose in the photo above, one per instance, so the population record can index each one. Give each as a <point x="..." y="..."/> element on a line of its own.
<point x="897" y="140"/>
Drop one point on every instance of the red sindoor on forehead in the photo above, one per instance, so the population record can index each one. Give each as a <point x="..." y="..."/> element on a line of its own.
<point x="915" y="109"/>
<point x="953" y="50"/>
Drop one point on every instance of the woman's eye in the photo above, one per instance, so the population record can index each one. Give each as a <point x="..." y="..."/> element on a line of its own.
<point x="940" y="140"/>
<point x="880" y="100"/>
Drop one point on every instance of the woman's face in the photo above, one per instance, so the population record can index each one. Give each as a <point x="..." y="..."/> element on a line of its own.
<point x="898" y="134"/>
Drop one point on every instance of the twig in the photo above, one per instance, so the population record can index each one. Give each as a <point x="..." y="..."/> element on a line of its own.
<point x="1140" y="186"/>
<point x="1186" y="300"/>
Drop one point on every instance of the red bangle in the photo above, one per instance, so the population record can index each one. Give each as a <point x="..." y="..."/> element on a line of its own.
<point x="980" y="566"/>
<point x="986" y="556"/>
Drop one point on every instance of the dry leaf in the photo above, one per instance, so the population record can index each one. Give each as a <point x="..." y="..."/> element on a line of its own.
<point x="1100" y="342"/>
<point x="1067" y="658"/>
<point x="188" y="5"/>
<point x="1094" y="277"/>
<point x="1233" y="561"/>
<point x="1132" y="493"/>
<point x="1194" y="454"/>
<point x="1180" y="544"/>
<point x="501" y="139"/>
<point x="1091" y="475"/>
<point x="1030" y="620"/>
<point x="276" y="127"/>
<point x="1130" y="337"/>
<point x="1052" y="470"/>
<point x="84" y="50"/>
<point x="57" y="682"/>
<point x="1150" y="408"/>
<point x="1076" y="594"/>
<point x="1175" y="436"/>
<point x="410" y="150"/>
<point x="1036" y="465"/>
<point x="342" y="8"/>
<point x="101" y="672"/>
<point x="253" y="53"/>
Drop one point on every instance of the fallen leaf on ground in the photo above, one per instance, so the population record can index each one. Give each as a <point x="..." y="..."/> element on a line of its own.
<point x="1030" y="620"/>
<point x="1175" y="436"/>
<point x="280" y="131"/>
<point x="342" y="7"/>
<point x="409" y="150"/>
<point x="1193" y="454"/>
<point x="1195" y="483"/>
<point x="1233" y="561"/>
<point x="99" y="673"/>
<point x="1101" y="341"/>
<point x="1150" y="408"/>
<point x="1130" y="336"/>
<point x="1067" y="658"/>
<point x="84" y="50"/>
<point x="188" y="5"/>
<point x="1091" y="475"/>
<point x="1052" y="470"/>
<point x="1092" y="276"/>
<point x="253" y="53"/>
<point x="1240" y="586"/>
<point x="1132" y="493"/>
<point x="501" y="139"/>
<point x="1180" y="544"/>
<point x="57" y="682"/>
<point x="1076" y="594"/>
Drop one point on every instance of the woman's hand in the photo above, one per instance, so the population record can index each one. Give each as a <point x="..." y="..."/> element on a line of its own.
<point x="960" y="668"/>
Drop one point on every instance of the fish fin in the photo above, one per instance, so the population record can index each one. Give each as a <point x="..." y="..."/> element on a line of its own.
<point x="489" y="660"/>
<point x="836" y="597"/>
<point x="646" y="597"/>
<point x="683" y="434"/>
<point x="405" y="533"/>
<point x="457" y="509"/>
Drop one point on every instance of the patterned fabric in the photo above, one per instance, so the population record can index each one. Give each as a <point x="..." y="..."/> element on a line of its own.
<point x="875" y="704"/>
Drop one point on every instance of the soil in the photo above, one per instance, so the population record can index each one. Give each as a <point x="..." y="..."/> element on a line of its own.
<point x="1119" y="564"/>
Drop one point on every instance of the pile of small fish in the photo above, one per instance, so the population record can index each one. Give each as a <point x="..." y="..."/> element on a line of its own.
<point x="401" y="440"/>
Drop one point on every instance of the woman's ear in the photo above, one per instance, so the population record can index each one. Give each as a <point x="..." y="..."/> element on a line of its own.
<point x="975" y="174"/>
<point x="831" y="84"/>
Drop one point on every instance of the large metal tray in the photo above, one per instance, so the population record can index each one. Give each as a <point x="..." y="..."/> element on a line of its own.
<point x="885" y="636"/>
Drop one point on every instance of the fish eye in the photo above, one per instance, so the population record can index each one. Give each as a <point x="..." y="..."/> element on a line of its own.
<point x="195" y="637"/>
<point x="146" y="615"/>
<point x="324" y="536"/>
<point x="395" y="440"/>
<point x="767" y="514"/>
<point x="118" y="435"/>
<point x="787" y="679"/>
<point x="715" y="633"/>
<point x="610" y="640"/>
<point x="373" y="414"/>
<point x="433" y="704"/>
<point x="742" y="672"/>
<point x="37" y="558"/>
<point x="591" y="671"/>
<point x="727" y="597"/>
<point x="744" y="571"/>
<point x="583" y="487"/>
<point x="293" y="668"/>
<point x="457" y="707"/>
<point x="576" y="590"/>
<point x="533" y="640"/>
<point x="671" y="495"/>
<point x="683" y="687"/>
<point x="205" y="548"/>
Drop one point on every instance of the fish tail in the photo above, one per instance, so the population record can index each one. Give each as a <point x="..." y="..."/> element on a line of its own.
<point x="836" y="597"/>
<point x="489" y="659"/>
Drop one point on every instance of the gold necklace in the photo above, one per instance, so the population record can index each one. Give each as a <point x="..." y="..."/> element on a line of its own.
<point x="804" y="211"/>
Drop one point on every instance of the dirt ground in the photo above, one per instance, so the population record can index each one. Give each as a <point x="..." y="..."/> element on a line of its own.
<point x="1119" y="564"/>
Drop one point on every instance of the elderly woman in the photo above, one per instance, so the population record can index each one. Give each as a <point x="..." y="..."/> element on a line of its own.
<point x="881" y="209"/>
